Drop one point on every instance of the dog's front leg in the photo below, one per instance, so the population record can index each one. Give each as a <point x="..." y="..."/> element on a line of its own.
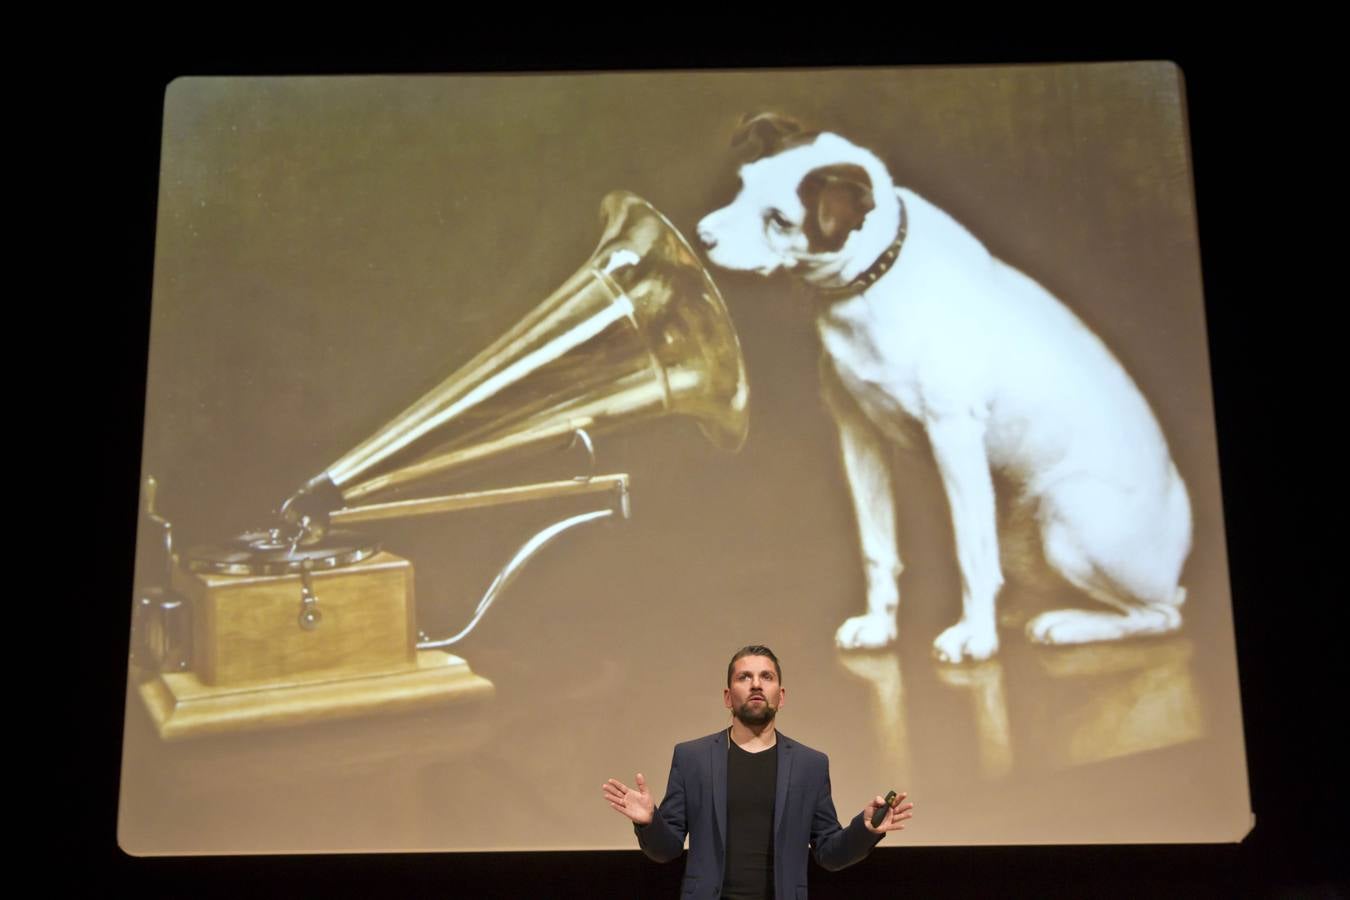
<point x="869" y="480"/>
<point x="958" y="446"/>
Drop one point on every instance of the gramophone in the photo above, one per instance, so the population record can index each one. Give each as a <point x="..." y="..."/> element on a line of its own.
<point x="308" y="618"/>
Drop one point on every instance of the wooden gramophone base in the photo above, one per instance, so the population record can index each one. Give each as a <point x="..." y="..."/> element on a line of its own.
<point x="183" y="707"/>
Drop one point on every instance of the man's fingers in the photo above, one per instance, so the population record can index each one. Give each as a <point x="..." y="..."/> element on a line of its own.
<point x="616" y="792"/>
<point x="895" y="814"/>
<point x="896" y="820"/>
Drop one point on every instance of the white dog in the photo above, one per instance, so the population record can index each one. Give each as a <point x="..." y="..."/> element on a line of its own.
<point x="924" y="329"/>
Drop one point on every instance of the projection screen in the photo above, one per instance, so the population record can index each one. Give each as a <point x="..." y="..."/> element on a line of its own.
<point x="1010" y="430"/>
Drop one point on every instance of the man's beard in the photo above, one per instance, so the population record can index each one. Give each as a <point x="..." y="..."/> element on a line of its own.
<point x="755" y="715"/>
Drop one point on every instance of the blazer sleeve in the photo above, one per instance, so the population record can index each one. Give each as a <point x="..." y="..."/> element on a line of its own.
<point x="662" y="839"/>
<point x="835" y="847"/>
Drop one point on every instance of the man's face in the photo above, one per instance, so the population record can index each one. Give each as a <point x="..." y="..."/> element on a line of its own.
<point x="755" y="695"/>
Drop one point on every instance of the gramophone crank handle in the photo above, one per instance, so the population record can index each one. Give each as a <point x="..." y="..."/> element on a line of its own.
<point x="400" y="509"/>
<point x="161" y="631"/>
<point x="153" y="516"/>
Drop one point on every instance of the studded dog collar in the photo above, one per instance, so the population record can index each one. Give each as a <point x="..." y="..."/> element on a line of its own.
<point x="868" y="277"/>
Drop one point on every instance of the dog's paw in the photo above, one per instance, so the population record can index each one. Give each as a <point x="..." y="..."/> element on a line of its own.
<point x="963" y="641"/>
<point x="866" y="632"/>
<point x="1081" y="626"/>
<point x="1073" y="626"/>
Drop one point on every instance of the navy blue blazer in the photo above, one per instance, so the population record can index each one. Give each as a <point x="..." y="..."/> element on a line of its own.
<point x="803" y="817"/>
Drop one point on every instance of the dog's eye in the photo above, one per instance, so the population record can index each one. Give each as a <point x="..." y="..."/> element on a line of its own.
<point x="780" y="221"/>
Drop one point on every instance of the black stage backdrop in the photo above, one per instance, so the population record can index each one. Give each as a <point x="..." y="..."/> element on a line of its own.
<point x="1276" y="409"/>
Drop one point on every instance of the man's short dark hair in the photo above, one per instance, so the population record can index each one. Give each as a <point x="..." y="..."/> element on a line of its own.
<point x="754" y="650"/>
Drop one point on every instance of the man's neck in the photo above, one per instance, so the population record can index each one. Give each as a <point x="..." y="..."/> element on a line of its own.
<point x="753" y="738"/>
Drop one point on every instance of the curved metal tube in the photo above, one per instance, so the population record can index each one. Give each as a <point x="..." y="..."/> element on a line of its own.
<point x="509" y="571"/>
<point x="582" y="436"/>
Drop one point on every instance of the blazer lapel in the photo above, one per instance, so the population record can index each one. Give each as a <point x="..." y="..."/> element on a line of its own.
<point x="780" y="792"/>
<point x="718" y="751"/>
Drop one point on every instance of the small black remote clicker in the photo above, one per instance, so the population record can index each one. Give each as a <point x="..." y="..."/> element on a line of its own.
<point x="880" y="815"/>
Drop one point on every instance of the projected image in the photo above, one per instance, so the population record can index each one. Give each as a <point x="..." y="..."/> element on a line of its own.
<point x="481" y="408"/>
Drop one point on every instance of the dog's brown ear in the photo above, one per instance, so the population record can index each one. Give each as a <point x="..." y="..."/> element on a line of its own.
<point x="764" y="134"/>
<point x="837" y="199"/>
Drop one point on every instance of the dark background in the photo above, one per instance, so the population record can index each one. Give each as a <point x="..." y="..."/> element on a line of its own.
<point x="1277" y="417"/>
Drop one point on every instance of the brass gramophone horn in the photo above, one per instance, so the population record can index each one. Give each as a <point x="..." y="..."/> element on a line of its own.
<point x="638" y="332"/>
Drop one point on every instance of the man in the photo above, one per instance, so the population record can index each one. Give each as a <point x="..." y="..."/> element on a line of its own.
<point x="751" y="800"/>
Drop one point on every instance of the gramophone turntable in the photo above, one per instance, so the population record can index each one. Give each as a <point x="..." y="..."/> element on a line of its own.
<point x="309" y="618"/>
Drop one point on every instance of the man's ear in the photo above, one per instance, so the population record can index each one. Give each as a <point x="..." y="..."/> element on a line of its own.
<point x="837" y="199"/>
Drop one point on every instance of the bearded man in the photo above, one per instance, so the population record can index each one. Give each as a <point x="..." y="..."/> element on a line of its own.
<point x="752" y="800"/>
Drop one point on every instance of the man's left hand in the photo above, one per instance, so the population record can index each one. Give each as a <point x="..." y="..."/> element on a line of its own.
<point x="896" y="814"/>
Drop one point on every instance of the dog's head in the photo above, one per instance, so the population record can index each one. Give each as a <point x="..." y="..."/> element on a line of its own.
<point x="810" y="203"/>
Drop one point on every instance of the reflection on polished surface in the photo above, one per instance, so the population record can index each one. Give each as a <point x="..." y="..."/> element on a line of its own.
<point x="989" y="708"/>
<point x="1135" y="697"/>
<point x="881" y="671"/>
<point x="1030" y="723"/>
<point x="1036" y="706"/>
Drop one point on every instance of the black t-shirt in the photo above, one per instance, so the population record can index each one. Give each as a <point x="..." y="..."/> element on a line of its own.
<point x="751" y="781"/>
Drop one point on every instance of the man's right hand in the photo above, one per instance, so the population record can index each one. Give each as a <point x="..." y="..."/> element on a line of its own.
<point x="635" y="803"/>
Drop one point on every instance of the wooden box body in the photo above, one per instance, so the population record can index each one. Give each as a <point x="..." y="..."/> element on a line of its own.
<point x="246" y="629"/>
